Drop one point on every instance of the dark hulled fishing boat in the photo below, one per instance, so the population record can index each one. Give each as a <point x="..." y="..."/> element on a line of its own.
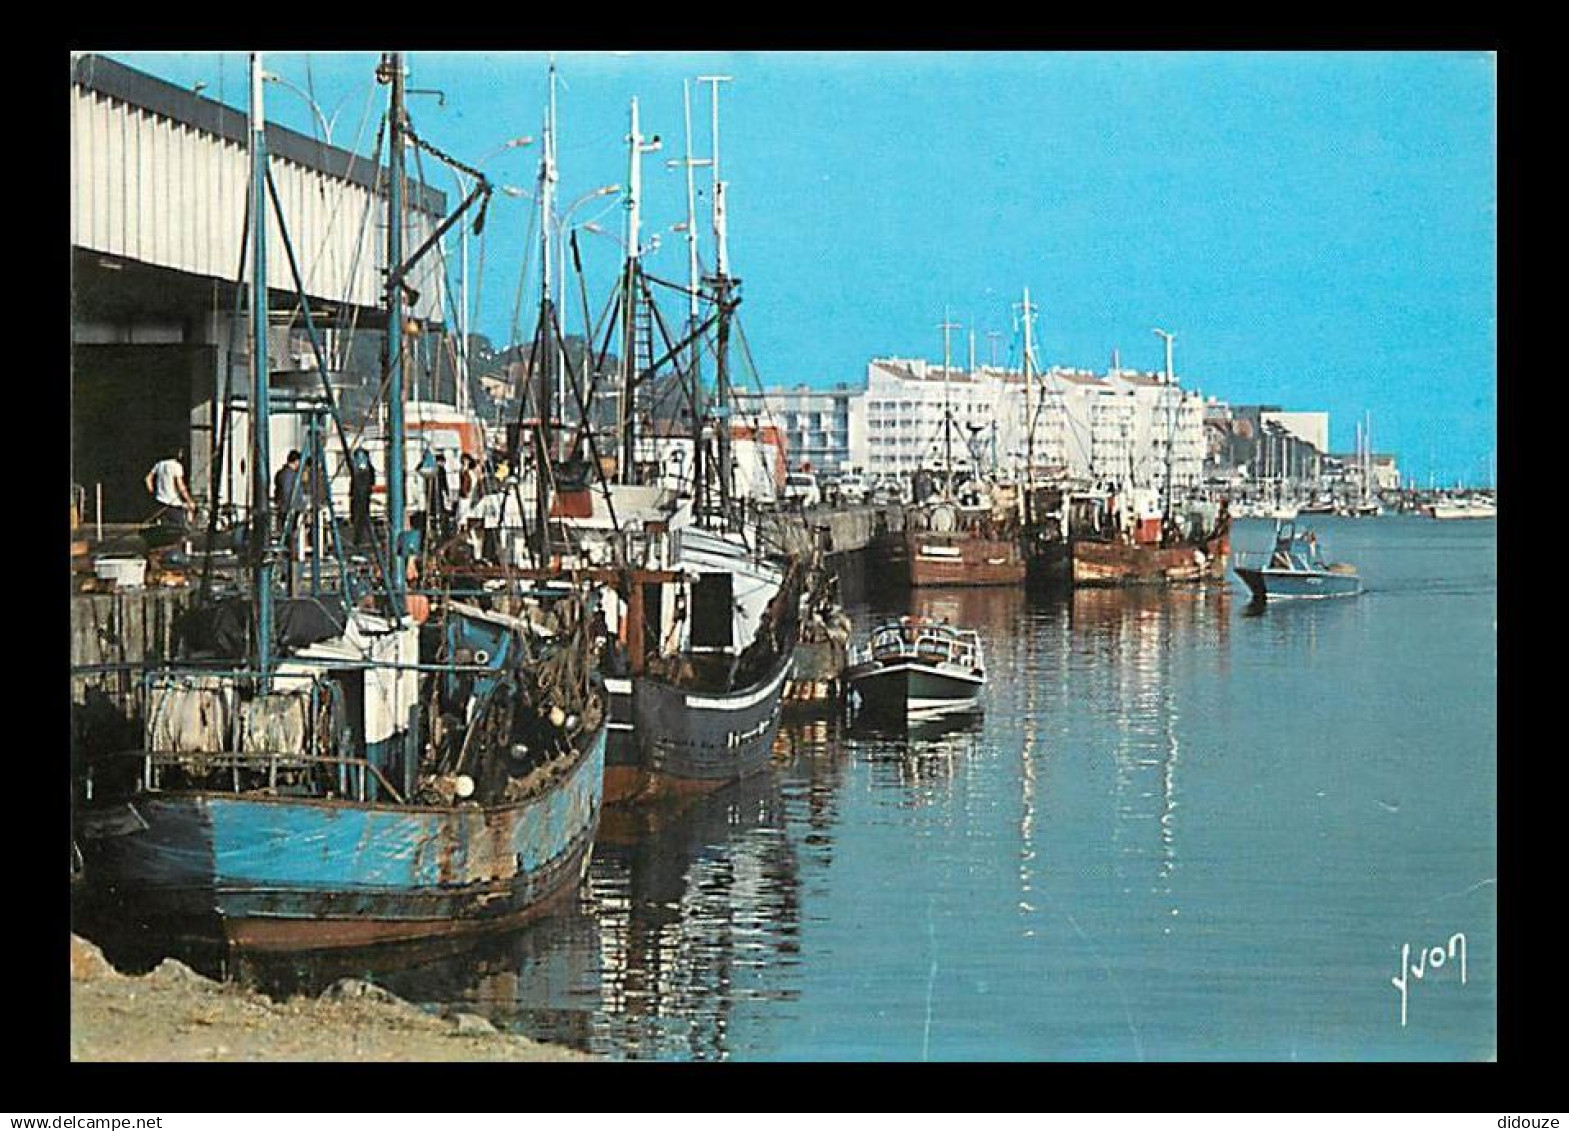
<point x="703" y="719"/>
<point x="703" y="617"/>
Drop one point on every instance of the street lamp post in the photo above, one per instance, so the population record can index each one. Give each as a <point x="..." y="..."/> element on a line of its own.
<point x="561" y="253"/>
<point x="321" y="119"/>
<point x="464" y="313"/>
<point x="325" y="124"/>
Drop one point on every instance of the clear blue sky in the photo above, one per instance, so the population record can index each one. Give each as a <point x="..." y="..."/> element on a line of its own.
<point x="1319" y="230"/>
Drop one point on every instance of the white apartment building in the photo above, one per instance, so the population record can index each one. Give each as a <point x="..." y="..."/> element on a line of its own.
<point x="820" y="427"/>
<point x="1092" y="427"/>
<point x="904" y="404"/>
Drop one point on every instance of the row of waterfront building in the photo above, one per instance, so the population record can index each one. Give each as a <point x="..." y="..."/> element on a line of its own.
<point x="1116" y="426"/>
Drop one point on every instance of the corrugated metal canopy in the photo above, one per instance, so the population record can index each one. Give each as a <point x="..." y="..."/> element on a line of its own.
<point x="104" y="75"/>
<point x="160" y="177"/>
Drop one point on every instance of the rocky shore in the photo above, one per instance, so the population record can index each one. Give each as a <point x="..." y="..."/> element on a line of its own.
<point x="173" y="1013"/>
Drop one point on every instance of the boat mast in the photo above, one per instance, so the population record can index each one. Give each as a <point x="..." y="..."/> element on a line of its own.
<point x="946" y="326"/>
<point x="545" y="379"/>
<point x="694" y="369"/>
<point x="558" y="355"/>
<point x="391" y="71"/>
<point x="1362" y="472"/>
<point x="1027" y="313"/>
<point x="1171" y="425"/>
<point x="631" y="283"/>
<point x="723" y="287"/>
<point x="261" y="403"/>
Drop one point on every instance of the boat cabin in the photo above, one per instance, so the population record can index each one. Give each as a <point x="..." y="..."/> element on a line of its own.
<point x="1294" y="551"/>
<point x="922" y="639"/>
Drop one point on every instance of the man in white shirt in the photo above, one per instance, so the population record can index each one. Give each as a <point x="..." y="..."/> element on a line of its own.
<point x="166" y="484"/>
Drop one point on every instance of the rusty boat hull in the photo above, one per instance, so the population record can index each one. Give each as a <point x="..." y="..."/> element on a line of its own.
<point x="959" y="559"/>
<point x="269" y="873"/>
<point x="1107" y="564"/>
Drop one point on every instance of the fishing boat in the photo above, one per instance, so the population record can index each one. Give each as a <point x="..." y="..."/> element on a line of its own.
<point x="947" y="545"/>
<point x="699" y="705"/>
<point x="351" y="768"/>
<point x="1137" y="534"/>
<point x="1295" y="569"/>
<point x="964" y="537"/>
<point x="1043" y="497"/>
<point x="1125" y="539"/>
<point x="703" y="612"/>
<point x="917" y="666"/>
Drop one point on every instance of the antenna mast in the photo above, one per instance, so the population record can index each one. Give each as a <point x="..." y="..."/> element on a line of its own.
<point x="694" y="368"/>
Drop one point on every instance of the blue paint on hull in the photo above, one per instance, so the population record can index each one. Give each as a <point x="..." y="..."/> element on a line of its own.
<point x="297" y="873"/>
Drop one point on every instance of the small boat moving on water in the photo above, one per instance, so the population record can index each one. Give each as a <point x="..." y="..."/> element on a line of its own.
<point x="1294" y="568"/>
<point x="918" y="666"/>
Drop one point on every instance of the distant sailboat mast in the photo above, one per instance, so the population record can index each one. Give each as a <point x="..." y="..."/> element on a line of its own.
<point x="1367" y="459"/>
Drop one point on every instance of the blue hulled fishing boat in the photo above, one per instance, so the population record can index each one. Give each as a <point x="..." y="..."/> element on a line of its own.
<point x="1295" y="569"/>
<point x="354" y="767"/>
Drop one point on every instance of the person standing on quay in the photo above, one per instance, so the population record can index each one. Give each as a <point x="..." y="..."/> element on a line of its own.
<point x="362" y="480"/>
<point x="468" y="496"/>
<point x="286" y="498"/>
<point x="440" y="513"/>
<point x="166" y="484"/>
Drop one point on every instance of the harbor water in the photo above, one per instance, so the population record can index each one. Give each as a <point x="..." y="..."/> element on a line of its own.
<point x="1182" y="828"/>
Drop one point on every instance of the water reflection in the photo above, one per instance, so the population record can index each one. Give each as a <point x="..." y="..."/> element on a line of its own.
<point x="694" y="914"/>
<point x="686" y="911"/>
<point x="1042" y="651"/>
<point x="1011" y="883"/>
<point x="992" y="612"/>
<point x="921" y="756"/>
<point x="1303" y="623"/>
<point x="1134" y="639"/>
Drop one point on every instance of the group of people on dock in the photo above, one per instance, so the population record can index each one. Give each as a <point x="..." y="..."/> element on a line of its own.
<point x="472" y="503"/>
